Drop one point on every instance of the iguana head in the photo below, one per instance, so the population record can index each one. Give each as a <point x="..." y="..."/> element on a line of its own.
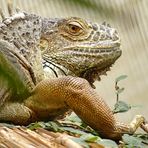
<point x="80" y="48"/>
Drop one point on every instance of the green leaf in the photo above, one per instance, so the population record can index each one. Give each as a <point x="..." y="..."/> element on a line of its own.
<point x="42" y="124"/>
<point x="34" y="126"/>
<point x="72" y="130"/>
<point x="132" y="141"/>
<point x="108" y="143"/>
<point x="73" y="118"/>
<point x="46" y="125"/>
<point x="87" y="137"/>
<point x="122" y="77"/>
<point x="80" y="141"/>
<point x="143" y="137"/>
<point x="121" y="106"/>
<point x="120" y="90"/>
<point x="52" y="125"/>
<point x="90" y="138"/>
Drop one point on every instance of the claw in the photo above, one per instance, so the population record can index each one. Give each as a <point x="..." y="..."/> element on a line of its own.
<point x="144" y="126"/>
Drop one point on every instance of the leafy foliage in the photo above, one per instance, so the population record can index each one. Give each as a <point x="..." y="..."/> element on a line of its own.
<point x="135" y="141"/>
<point x="73" y="125"/>
<point x="122" y="77"/>
<point x="121" y="106"/>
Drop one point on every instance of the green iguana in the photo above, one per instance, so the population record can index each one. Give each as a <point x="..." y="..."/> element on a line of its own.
<point x="48" y="67"/>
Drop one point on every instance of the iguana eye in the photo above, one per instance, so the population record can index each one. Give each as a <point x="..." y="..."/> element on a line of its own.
<point x="75" y="28"/>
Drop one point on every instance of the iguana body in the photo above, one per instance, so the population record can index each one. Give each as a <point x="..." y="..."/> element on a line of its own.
<point x="76" y="52"/>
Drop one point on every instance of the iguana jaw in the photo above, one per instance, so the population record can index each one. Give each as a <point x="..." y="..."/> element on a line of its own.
<point x="94" y="59"/>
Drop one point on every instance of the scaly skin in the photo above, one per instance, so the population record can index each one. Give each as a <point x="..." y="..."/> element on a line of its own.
<point x="75" y="54"/>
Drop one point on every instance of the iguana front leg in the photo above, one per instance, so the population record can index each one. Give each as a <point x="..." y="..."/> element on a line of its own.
<point x="52" y="97"/>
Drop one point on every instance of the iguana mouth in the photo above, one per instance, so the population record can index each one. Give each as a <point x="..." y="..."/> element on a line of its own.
<point x="96" y="47"/>
<point x="93" y="51"/>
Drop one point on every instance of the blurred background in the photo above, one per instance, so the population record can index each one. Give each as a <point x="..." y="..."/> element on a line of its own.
<point x="130" y="17"/>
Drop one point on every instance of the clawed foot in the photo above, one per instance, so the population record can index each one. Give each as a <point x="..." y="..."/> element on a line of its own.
<point x="139" y="121"/>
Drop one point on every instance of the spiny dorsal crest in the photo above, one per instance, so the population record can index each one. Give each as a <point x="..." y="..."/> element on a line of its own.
<point x="23" y="30"/>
